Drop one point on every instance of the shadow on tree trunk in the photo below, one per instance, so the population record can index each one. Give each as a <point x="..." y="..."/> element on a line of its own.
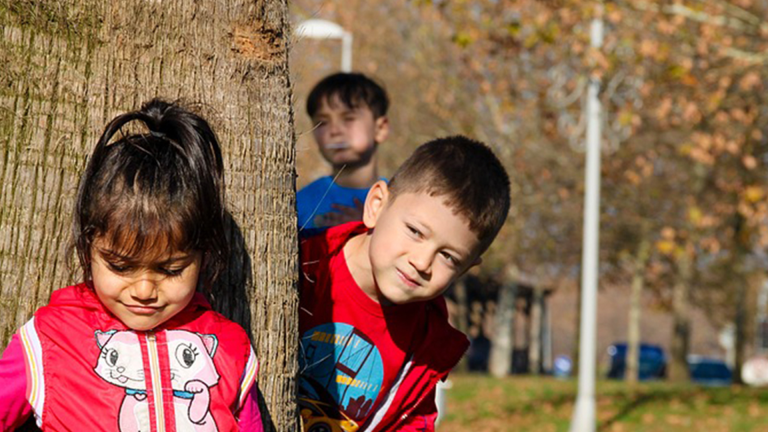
<point x="229" y="294"/>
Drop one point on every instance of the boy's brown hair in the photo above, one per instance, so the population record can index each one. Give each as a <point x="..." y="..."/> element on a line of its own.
<point x="467" y="173"/>
<point x="353" y="89"/>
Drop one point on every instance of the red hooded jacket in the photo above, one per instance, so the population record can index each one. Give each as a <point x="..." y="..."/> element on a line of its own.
<point x="86" y="371"/>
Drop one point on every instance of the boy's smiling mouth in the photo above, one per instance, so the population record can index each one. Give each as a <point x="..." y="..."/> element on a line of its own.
<point x="408" y="281"/>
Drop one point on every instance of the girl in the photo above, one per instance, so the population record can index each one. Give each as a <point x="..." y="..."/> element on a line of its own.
<point x="136" y="347"/>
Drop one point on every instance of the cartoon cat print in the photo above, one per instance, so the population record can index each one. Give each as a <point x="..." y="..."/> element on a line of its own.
<point x="192" y="375"/>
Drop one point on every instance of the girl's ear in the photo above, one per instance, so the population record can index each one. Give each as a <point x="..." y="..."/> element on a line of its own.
<point x="375" y="202"/>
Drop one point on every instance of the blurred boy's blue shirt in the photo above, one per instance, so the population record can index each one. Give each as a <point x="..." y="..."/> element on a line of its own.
<point x="318" y="197"/>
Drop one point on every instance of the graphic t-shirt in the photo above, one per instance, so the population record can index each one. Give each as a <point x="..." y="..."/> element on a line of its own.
<point x="318" y="197"/>
<point x="352" y="348"/>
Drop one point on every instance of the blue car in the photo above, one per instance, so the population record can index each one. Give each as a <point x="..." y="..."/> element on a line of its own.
<point x="652" y="365"/>
<point x="709" y="371"/>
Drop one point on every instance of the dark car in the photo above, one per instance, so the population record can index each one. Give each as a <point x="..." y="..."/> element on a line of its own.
<point x="652" y="365"/>
<point x="709" y="371"/>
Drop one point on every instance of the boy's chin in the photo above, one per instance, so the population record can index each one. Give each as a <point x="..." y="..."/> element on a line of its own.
<point x="390" y="300"/>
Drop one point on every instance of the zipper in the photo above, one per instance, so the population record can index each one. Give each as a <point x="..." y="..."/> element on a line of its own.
<point x="157" y="383"/>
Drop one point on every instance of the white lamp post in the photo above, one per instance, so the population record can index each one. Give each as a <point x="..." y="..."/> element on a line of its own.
<point x="323" y="29"/>
<point x="584" y="412"/>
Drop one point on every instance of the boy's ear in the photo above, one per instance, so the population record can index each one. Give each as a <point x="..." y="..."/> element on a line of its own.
<point x="375" y="201"/>
<point x="381" y="131"/>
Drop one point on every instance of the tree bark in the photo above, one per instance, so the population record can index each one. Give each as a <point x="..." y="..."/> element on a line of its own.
<point x="69" y="66"/>
<point x="633" y="327"/>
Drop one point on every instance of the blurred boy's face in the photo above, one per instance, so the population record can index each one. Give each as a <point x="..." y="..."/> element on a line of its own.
<point x="346" y="135"/>
<point x="417" y="248"/>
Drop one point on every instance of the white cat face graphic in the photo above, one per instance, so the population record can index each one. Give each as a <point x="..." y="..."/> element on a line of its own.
<point x="120" y="359"/>
<point x="190" y="358"/>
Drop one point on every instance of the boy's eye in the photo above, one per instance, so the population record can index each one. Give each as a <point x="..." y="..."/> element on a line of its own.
<point x="413" y="230"/>
<point x="451" y="259"/>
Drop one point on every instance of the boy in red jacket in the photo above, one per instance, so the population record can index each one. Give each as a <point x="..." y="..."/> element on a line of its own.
<point x="375" y="337"/>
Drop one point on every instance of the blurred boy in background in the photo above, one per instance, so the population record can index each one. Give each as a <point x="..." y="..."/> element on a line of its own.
<point x="349" y="114"/>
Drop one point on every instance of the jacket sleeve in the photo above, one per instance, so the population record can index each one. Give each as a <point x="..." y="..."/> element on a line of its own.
<point x="14" y="407"/>
<point x="249" y="418"/>
<point x="423" y="417"/>
<point x="249" y="415"/>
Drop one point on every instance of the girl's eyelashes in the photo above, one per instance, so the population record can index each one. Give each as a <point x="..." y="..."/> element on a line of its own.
<point x="119" y="267"/>
<point x="172" y="272"/>
<point x="123" y="268"/>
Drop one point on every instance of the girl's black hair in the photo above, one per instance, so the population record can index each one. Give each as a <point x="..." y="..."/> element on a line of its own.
<point x="160" y="189"/>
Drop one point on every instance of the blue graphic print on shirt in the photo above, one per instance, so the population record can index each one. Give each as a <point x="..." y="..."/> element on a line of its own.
<point x="340" y="367"/>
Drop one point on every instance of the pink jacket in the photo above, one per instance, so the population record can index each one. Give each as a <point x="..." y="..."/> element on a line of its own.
<point x="83" y="368"/>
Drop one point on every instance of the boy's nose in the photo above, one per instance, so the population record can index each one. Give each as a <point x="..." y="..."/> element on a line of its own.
<point x="334" y="127"/>
<point x="421" y="260"/>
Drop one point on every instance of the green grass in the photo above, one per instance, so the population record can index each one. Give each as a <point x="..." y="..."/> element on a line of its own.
<point x="481" y="403"/>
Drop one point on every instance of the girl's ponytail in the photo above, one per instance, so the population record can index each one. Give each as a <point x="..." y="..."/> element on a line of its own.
<point x="166" y="182"/>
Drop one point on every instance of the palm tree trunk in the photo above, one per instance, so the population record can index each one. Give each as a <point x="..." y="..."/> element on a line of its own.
<point x="71" y="65"/>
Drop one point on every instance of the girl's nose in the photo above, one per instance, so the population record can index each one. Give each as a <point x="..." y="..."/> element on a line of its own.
<point x="145" y="288"/>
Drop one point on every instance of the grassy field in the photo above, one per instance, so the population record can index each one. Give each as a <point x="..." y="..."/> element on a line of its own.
<point x="479" y="403"/>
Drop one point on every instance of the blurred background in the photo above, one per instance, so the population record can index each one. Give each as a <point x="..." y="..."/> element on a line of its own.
<point x="683" y="207"/>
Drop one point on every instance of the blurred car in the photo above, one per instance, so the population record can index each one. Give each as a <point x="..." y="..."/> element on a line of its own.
<point x="652" y="364"/>
<point x="709" y="371"/>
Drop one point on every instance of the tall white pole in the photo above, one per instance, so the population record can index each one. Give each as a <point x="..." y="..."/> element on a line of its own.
<point x="346" y="52"/>
<point x="584" y="412"/>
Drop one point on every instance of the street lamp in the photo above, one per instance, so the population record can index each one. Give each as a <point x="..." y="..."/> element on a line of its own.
<point x="323" y="29"/>
<point x="584" y="412"/>
<point x="597" y="119"/>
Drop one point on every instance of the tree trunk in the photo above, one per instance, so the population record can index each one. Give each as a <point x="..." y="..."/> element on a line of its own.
<point x="681" y="332"/>
<point x="576" y="334"/>
<point x="460" y="290"/>
<point x="748" y="281"/>
<point x="633" y="327"/>
<point x="500" y="361"/>
<point x="534" y="349"/>
<point x="71" y="65"/>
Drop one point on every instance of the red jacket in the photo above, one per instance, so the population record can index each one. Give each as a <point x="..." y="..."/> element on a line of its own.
<point x="87" y="371"/>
